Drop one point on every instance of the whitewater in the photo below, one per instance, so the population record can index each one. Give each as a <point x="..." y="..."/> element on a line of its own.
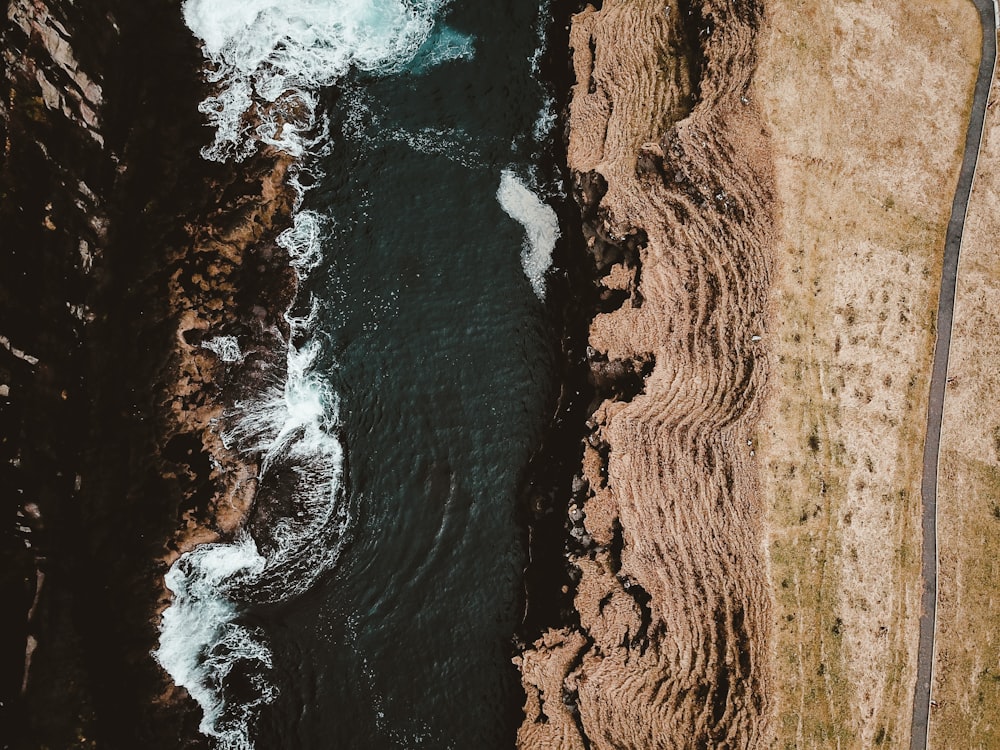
<point x="541" y="227"/>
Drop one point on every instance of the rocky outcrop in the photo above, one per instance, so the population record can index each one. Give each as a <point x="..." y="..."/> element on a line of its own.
<point x="126" y="256"/>
<point x="55" y="175"/>
<point x="668" y="646"/>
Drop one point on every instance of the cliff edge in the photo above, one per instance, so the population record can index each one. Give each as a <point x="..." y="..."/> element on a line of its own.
<point x="124" y="253"/>
<point x="673" y="174"/>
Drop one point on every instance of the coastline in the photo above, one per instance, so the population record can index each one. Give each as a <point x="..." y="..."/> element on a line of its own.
<point x="115" y="455"/>
<point x="716" y="520"/>
<point x="571" y="301"/>
<point x="210" y="267"/>
<point x="595" y="673"/>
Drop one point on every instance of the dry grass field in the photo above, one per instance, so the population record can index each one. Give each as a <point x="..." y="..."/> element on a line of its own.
<point x="967" y="667"/>
<point x="867" y="103"/>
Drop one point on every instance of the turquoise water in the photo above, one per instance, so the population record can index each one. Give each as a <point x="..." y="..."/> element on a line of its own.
<point x="441" y="356"/>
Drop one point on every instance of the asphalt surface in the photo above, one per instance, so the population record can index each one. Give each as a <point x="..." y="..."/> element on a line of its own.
<point x="946" y="308"/>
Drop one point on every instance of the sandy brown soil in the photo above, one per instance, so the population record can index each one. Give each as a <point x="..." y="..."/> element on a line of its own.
<point x="675" y="180"/>
<point x="966" y="685"/>
<point x="867" y="104"/>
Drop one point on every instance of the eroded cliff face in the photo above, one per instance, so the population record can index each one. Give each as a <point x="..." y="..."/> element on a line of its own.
<point x="673" y="172"/>
<point x="124" y="253"/>
<point x="868" y="107"/>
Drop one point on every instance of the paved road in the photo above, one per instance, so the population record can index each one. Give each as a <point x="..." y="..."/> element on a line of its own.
<point x="946" y="307"/>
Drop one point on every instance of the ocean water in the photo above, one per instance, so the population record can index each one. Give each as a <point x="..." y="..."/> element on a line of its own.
<point x="378" y="610"/>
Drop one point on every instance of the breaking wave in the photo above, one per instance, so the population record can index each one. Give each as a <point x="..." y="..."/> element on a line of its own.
<point x="541" y="228"/>
<point x="202" y="646"/>
<point x="268" y="59"/>
<point x="290" y="430"/>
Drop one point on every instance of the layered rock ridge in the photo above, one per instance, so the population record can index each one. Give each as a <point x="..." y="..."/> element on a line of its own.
<point x="673" y="173"/>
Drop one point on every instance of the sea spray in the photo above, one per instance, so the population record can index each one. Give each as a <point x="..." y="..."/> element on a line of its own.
<point x="268" y="60"/>
<point x="541" y="228"/>
<point x="202" y="646"/>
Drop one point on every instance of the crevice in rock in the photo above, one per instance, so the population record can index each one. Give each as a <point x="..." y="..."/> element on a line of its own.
<point x="188" y="452"/>
<point x="591" y="83"/>
<point x="696" y="28"/>
<point x="571" y="695"/>
<point x="619" y="379"/>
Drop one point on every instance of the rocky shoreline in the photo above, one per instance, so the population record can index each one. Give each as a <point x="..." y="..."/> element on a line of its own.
<point x="125" y="251"/>
<point x="572" y="298"/>
<point x="143" y="258"/>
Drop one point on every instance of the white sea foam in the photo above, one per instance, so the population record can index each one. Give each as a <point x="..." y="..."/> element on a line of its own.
<point x="201" y="644"/>
<point x="290" y="427"/>
<point x="226" y="348"/>
<point x="541" y="227"/>
<point x="542" y="21"/>
<point x="443" y="45"/>
<point x="546" y="121"/>
<point x="454" y="145"/>
<point x="280" y="52"/>
<point x="304" y="240"/>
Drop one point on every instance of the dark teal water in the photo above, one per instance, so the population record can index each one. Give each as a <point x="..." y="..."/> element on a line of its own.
<point x="442" y="357"/>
